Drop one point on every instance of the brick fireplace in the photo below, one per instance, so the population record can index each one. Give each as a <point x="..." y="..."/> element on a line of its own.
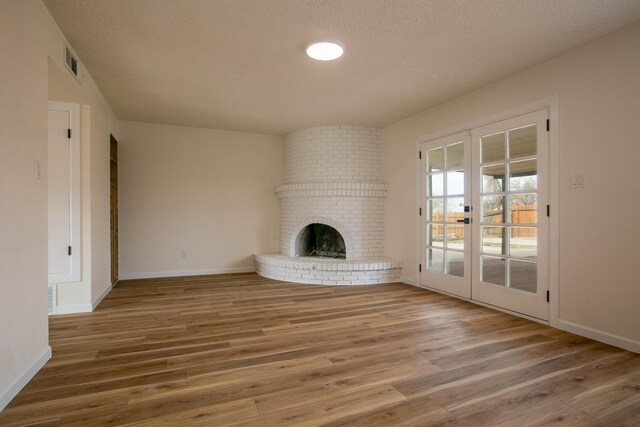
<point x="331" y="210"/>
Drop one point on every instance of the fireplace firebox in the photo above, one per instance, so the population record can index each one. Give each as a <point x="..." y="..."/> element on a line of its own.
<point x="320" y="240"/>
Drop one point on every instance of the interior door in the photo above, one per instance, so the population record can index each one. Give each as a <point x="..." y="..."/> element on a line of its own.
<point x="510" y="223"/>
<point x="59" y="163"/>
<point x="63" y="167"/>
<point x="445" y="215"/>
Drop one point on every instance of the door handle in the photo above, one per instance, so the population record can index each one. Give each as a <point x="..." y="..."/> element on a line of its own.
<point x="466" y="220"/>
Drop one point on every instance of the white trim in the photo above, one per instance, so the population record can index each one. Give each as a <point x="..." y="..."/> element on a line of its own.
<point x="554" y="218"/>
<point x="418" y="204"/>
<point x="598" y="335"/>
<point x="408" y="280"/>
<point x="12" y="391"/>
<point x="74" y="309"/>
<point x="100" y="297"/>
<point x="160" y="274"/>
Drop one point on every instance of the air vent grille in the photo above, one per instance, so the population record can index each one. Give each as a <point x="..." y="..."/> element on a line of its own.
<point x="71" y="61"/>
<point x="52" y="299"/>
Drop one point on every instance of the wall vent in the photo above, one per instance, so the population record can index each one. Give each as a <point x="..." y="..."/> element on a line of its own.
<point x="71" y="61"/>
<point x="53" y="300"/>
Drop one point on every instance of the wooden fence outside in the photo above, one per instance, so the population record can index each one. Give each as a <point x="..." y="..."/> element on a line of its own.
<point x="518" y="216"/>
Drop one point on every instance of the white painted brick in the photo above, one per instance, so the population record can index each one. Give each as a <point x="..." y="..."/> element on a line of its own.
<point x="333" y="175"/>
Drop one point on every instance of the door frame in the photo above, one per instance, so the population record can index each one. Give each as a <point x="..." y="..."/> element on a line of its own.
<point x="114" y="196"/>
<point x="551" y="104"/>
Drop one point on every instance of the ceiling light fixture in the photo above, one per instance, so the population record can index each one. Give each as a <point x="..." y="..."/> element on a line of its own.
<point x="325" y="51"/>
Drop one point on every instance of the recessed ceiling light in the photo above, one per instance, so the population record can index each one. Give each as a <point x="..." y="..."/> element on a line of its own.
<point x="325" y="51"/>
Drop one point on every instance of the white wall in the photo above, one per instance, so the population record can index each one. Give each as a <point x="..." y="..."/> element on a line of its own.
<point x="208" y="192"/>
<point x="598" y="90"/>
<point x="23" y="199"/>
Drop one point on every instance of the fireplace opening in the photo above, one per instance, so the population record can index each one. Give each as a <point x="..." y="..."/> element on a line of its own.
<point x="320" y="240"/>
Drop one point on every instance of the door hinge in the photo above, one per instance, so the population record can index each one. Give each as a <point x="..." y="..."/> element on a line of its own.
<point x="548" y="125"/>
<point x="69" y="250"/>
<point x="420" y="154"/>
<point x="547" y="296"/>
<point x="420" y="211"/>
<point x="419" y="268"/>
<point x="69" y="133"/>
<point x="548" y="210"/>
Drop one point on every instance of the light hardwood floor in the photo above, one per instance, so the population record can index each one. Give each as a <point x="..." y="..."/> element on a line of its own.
<point x="241" y="350"/>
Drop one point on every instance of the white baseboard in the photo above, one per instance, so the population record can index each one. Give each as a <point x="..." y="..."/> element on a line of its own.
<point x="159" y="274"/>
<point x="100" y="297"/>
<point x="408" y="280"/>
<point x="7" y="395"/>
<point x="74" y="309"/>
<point x="598" y="335"/>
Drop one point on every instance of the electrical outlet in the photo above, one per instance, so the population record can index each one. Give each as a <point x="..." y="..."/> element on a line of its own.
<point x="184" y="254"/>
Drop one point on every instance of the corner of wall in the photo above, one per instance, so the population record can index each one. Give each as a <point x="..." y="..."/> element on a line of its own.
<point x="26" y="376"/>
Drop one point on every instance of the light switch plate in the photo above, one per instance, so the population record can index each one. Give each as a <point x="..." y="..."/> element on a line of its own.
<point x="577" y="180"/>
<point x="37" y="173"/>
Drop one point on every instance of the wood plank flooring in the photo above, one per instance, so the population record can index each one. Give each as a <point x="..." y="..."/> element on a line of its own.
<point x="241" y="350"/>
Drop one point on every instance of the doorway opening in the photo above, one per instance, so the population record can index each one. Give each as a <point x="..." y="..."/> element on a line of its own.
<point x="113" y="161"/>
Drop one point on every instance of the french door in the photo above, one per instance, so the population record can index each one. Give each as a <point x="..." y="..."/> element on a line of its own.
<point x="445" y="213"/>
<point x="485" y="225"/>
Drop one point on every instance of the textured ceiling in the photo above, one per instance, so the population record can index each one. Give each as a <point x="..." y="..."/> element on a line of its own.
<point x="240" y="64"/>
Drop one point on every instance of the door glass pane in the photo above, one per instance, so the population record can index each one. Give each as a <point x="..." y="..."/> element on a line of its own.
<point x="523" y="242"/>
<point x="455" y="182"/>
<point x="435" y="160"/>
<point x="455" y="263"/>
<point x="455" y="208"/>
<point x="455" y="156"/>
<point x="493" y="209"/>
<point x="524" y="208"/>
<point x="455" y="237"/>
<point x="522" y="141"/>
<point x="493" y="240"/>
<point x="435" y="209"/>
<point x="523" y="175"/>
<point x="493" y="179"/>
<point x="523" y="275"/>
<point x="435" y="260"/>
<point x="435" y="185"/>
<point x="435" y="235"/>
<point x="493" y="148"/>
<point x="494" y="270"/>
